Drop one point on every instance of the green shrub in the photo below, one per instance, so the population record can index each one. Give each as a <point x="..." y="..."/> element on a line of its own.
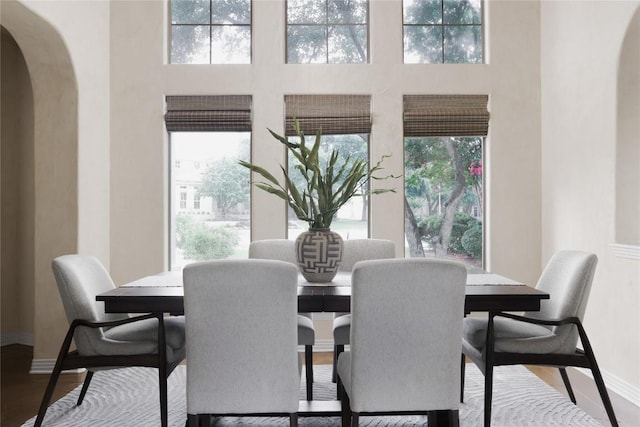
<point x="472" y="241"/>
<point x="200" y="241"/>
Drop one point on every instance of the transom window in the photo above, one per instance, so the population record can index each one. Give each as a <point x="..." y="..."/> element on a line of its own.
<point x="443" y="31"/>
<point x="210" y="31"/>
<point x="327" y="31"/>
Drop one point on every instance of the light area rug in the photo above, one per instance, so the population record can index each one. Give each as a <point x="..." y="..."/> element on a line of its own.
<point x="129" y="398"/>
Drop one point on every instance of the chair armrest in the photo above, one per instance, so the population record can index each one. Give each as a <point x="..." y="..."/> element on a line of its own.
<point x="559" y="322"/>
<point x="81" y="322"/>
<point x="569" y="320"/>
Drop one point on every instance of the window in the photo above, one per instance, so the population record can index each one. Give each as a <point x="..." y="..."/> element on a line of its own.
<point x="346" y="123"/>
<point x="444" y="176"/>
<point x="210" y="31"/>
<point x="443" y="31"/>
<point x="212" y="131"/>
<point x="327" y="31"/>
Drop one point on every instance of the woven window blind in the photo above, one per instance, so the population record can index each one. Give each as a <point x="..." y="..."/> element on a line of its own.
<point x="446" y="115"/>
<point x="335" y="114"/>
<point x="215" y="113"/>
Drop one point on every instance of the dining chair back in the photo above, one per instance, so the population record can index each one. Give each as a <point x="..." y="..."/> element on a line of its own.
<point x="405" y="338"/>
<point x="355" y="250"/>
<point x="284" y="250"/>
<point x="241" y="338"/>
<point x="106" y="341"/>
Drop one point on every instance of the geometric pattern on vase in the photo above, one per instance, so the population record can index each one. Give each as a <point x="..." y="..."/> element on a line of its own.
<point x="319" y="252"/>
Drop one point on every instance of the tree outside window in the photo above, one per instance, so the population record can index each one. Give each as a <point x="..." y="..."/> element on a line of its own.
<point x="327" y="31"/>
<point x="210" y="31"/>
<point x="352" y="220"/>
<point x="444" y="198"/>
<point x="443" y="31"/>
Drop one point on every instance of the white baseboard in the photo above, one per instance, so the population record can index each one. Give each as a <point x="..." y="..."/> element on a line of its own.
<point x="16" y="338"/>
<point x="616" y="385"/>
<point x="45" y="366"/>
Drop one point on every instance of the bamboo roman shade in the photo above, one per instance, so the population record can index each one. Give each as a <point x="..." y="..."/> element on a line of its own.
<point x="446" y="115"/>
<point x="215" y="113"/>
<point x="335" y="114"/>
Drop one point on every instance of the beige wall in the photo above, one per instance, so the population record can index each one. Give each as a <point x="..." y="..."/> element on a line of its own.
<point x="140" y="78"/>
<point x="579" y="122"/>
<point x="17" y="263"/>
<point x="540" y="197"/>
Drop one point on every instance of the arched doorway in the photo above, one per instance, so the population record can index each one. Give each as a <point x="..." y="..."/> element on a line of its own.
<point x="47" y="177"/>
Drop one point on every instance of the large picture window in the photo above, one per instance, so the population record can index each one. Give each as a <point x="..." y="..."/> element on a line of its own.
<point x="345" y="122"/>
<point x="443" y="31"/>
<point x="327" y="31"/>
<point x="210" y="31"/>
<point x="209" y="194"/>
<point x="444" y="186"/>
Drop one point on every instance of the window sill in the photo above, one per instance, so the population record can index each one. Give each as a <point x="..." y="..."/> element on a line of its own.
<point x="626" y="251"/>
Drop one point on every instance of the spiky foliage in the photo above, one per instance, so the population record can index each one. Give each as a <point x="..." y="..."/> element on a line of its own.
<point x="326" y="189"/>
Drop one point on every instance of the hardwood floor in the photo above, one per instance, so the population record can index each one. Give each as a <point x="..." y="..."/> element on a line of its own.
<point x="21" y="392"/>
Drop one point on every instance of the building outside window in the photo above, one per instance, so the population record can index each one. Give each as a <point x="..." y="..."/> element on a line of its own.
<point x="210" y="31"/>
<point x="209" y="194"/>
<point x="218" y="223"/>
<point x="443" y="31"/>
<point x="327" y="31"/>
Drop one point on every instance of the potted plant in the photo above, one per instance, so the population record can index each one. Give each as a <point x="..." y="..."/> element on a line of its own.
<point x="325" y="189"/>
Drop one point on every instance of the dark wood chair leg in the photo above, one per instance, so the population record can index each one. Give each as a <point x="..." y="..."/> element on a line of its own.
<point x="308" y="364"/>
<point x="293" y="420"/>
<point x="85" y="387"/>
<point x="443" y="418"/>
<point x="488" y="371"/>
<point x="337" y="349"/>
<point x="162" y="372"/>
<point x="345" y="405"/>
<point x="192" y="420"/>
<point x="53" y="380"/>
<point x="51" y="386"/>
<point x="462" y="371"/>
<point x="355" y="419"/>
<point x="567" y="384"/>
<point x="597" y="376"/>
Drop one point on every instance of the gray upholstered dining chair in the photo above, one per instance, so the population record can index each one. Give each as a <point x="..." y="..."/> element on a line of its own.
<point x="546" y="337"/>
<point x="284" y="250"/>
<point x="354" y="251"/>
<point x="405" y="339"/>
<point x="241" y="339"/>
<point x="106" y="341"/>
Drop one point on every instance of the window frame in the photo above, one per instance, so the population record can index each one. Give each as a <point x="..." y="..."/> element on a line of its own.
<point x="327" y="25"/>
<point x="210" y="26"/>
<point x="443" y="26"/>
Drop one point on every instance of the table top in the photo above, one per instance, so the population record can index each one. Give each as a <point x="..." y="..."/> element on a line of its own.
<point x="164" y="293"/>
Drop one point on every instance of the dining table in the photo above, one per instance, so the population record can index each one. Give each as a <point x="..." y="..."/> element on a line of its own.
<point x="164" y="293"/>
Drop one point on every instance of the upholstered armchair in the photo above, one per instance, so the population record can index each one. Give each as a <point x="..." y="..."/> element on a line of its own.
<point x="547" y="337"/>
<point x="107" y="341"/>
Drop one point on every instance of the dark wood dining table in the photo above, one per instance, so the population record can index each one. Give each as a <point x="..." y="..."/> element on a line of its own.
<point x="163" y="293"/>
